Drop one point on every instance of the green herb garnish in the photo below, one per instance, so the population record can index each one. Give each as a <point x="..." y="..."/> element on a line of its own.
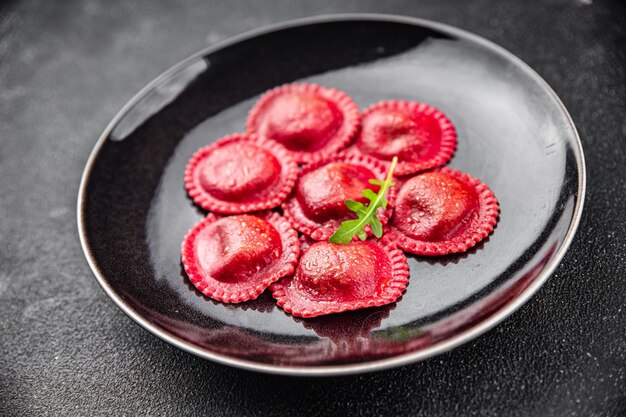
<point x="367" y="214"/>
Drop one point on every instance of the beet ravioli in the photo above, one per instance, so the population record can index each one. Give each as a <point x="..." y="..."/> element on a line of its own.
<point x="317" y="206"/>
<point x="240" y="173"/>
<point x="334" y="200"/>
<point x="309" y="120"/>
<point x="419" y="135"/>
<point x="442" y="211"/>
<point x="234" y="259"/>
<point x="333" y="278"/>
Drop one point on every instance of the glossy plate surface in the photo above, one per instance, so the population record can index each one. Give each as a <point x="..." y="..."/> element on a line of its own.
<point x="514" y="134"/>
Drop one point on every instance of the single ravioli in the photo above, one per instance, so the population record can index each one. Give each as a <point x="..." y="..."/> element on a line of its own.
<point x="240" y="173"/>
<point x="234" y="259"/>
<point x="419" y="135"/>
<point x="309" y="120"/>
<point x="317" y="205"/>
<point x="332" y="278"/>
<point x="442" y="211"/>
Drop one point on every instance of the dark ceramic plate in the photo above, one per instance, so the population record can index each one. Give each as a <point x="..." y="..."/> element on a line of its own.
<point x="514" y="134"/>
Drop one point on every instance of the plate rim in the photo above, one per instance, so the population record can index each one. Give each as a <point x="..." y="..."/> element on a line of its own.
<point x="343" y="369"/>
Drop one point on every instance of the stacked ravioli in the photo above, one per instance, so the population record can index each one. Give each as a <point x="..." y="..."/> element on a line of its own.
<point x="276" y="193"/>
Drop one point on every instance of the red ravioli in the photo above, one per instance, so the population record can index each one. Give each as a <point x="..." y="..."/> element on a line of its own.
<point x="234" y="259"/>
<point x="317" y="206"/>
<point x="240" y="173"/>
<point x="419" y="135"/>
<point x="333" y="278"/>
<point x="441" y="212"/>
<point x="309" y="120"/>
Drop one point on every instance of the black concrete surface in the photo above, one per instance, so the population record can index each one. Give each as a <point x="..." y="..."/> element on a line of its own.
<point x="66" y="67"/>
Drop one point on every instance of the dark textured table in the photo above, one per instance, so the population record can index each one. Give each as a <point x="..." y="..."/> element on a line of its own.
<point x="65" y="349"/>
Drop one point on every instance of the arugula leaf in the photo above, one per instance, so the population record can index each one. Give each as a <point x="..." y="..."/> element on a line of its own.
<point x="356" y="207"/>
<point x="366" y="214"/>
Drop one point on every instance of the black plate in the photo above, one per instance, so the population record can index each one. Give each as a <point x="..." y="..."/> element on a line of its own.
<point x="514" y="134"/>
